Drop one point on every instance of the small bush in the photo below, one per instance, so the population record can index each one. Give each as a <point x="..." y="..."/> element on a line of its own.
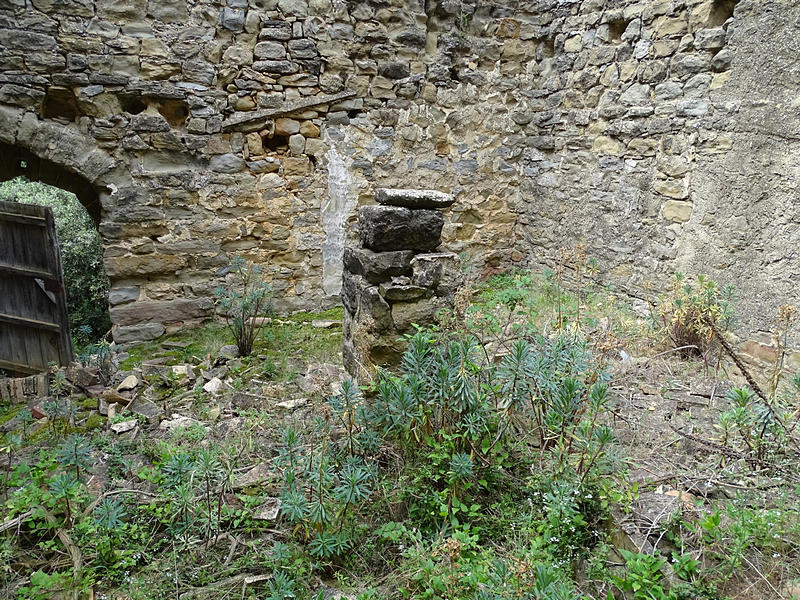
<point x="244" y="301"/>
<point x="691" y="311"/>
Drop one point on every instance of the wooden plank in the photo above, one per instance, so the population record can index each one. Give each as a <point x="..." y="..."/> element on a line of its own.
<point x="25" y="322"/>
<point x="24" y="219"/>
<point x="25" y="272"/>
<point x="14" y="367"/>
<point x="65" y="339"/>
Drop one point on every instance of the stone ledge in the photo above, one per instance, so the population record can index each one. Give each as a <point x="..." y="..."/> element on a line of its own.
<point x="414" y="198"/>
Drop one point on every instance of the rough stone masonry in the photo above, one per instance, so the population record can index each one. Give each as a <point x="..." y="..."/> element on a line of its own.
<point x="394" y="279"/>
<point x="662" y="134"/>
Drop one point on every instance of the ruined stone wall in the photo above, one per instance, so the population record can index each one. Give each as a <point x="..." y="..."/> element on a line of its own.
<point x="659" y="133"/>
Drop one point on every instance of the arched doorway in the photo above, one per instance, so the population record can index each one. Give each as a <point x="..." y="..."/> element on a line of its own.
<point x="27" y="179"/>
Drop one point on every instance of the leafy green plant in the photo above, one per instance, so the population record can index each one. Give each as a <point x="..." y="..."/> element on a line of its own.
<point x="108" y="516"/>
<point x="643" y="577"/>
<point x="75" y="454"/>
<point x="321" y="490"/>
<point x="244" y="301"/>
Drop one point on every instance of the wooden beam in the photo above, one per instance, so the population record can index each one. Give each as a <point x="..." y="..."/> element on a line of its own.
<point x="25" y="272"/>
<point x="26" y="219"/>
<point x="15" y="367"/>
<point x="26" y="322"/>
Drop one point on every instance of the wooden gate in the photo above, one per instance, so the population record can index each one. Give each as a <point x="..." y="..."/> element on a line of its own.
<point x="34" y="327"/>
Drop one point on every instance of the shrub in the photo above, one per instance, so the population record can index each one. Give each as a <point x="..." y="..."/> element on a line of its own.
<point x="244" y="301"/>
<point x="81" y="256"/>
<point x="691" y="311"/>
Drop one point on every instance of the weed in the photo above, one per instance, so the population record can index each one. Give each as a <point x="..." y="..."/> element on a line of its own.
<point x="244" y="303"/>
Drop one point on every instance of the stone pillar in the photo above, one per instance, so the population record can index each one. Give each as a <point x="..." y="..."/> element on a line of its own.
<point x="396" y="278"/>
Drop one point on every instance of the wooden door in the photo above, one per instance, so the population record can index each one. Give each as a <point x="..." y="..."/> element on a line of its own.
<point x="34" y="327"/>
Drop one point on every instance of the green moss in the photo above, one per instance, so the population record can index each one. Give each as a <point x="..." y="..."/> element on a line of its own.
<point x="94" y="421"/>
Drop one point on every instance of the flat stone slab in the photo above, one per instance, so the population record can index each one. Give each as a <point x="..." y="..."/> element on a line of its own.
<point x="414" y="198"/>
<point x="396" y="292"/>
<point x="377" y="267"/>
<point x="398" y="228"/>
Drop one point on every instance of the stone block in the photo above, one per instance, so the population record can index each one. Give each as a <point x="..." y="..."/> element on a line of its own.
<point x="377" y="267"/>
<point x="439" y="271"/>
<point x="286" y="127"/>
<point x="422" y="312"/>
<point x="710" y="39"/>
<point x="269" y="51"/>
<point x="401" y="292"/>
<point x="232" y="19"/>
<point x="162" y="311"/>
<point x="123" y="295"/>
<point x="414" y="198"/>
<point x="138" y="333"/>
<point x="226" y="163"/>
<point x="398" y="228"/>
<point x="375" y="308"/>
<point x="677" y="211"/>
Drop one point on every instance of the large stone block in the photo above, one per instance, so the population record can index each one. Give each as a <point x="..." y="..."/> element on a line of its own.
<point x="414" y="198"/>
<point x="377" y="267"/>
<point x="423" y="312"/>
<point x="162" y="311"/>
<point x="138" y="333"/>
<point x="438" y="271"/>
<point x="397" y="228"/>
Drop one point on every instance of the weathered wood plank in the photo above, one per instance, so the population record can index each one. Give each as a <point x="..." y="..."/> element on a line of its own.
<point x="25" y="322"/>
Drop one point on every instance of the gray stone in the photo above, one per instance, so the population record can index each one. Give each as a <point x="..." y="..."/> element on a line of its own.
<point x="374" y="307"/>
<point x="710" y="39"/>
<point x="437" y="271"/>
<point x="283" y="67"/>
<point x="377" y="267"/>
<point x="123" y="295"/>
<point x="267" y="165"/>
<point x="138" y="333"/>
<point x="124" y="426"/>
<point x="398" y="228"/>
<point x="146" y="408"/>
<point x="297" y="144"/>
<point x="269" y="51"/>
<point x="228" y="351"/>
<point x="722" y="60"/>
<point x="149" y="123"/>
<point x="394" y="70"/>
<point x="414" y="198"/>
<point x="303" y="48"/>
<point x="423" y="312"/>
<point x="341" y="31"/>
<point x="232" y="19"/>
<point x="226" y="163"/>
<point x="297" y="8"/>
<point x="396" y="292"/>
<point x="276" y="30"/>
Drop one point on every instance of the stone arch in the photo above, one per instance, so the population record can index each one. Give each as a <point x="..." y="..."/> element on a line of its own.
<point x="18" y="161"/>
<point x="58" y="155"/>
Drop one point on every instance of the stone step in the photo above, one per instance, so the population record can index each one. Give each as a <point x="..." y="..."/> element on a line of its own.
<point x="414" y="198"/>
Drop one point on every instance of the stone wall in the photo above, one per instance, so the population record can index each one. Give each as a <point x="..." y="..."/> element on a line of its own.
<point x="659" y="133"/>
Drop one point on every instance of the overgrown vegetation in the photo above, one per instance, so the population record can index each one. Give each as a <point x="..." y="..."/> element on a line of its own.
<point x="81" y="256"/>
<point x="500" y="461"/>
